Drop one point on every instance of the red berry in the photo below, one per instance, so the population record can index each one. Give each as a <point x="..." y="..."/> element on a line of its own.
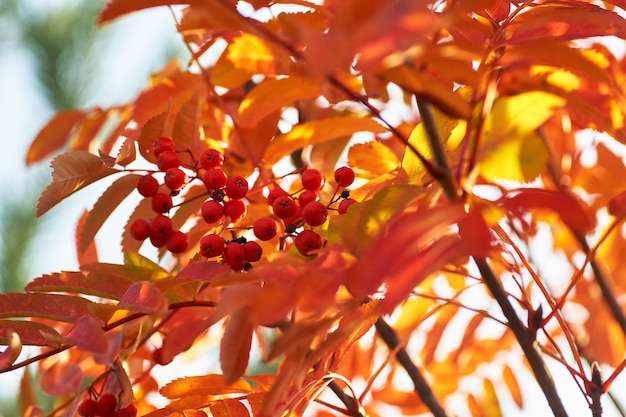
<point x="163" y="144"/>
<point x="306" y="197"/>
<point x="236" y="187"/>
<point x="162" y="203"/>
<point x="211" y="158"/>
<point x="161" y="228"/>
<point x="312" y="179"/>
<point x="147" y="185"/>
<point x="174" y="178"/>
<point x="343" y="206"/>
<point x="211" y="245"/>
<point x="296" y="218"/>
<point x="177" y="242"/>
<point x="140" y="229"/>
<point x="214" y="179"/>
<point x="307" y="241"/>
<point x="284" y="207"/>
<point x="168" y="159"/>
<point x="315" y="213"/>
<point x="264" y="229"/>
<point x="344" y="176"/>
<point x="212" y="211"/>
<point x="235" y="255"/>
<point x="87" y="408"/>
<point x="274" y="194"/>
<point x="129" y="411"/>
<point x="235" y="209"/>
<point x="107" y="403"/>
<point x="253" y="251"/>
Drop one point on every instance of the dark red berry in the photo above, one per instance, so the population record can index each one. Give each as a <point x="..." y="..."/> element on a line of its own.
<point x="264" y="228"/>
<point x="129" y="411"/>
<point x="107" y="403"/>
<point x="212" y="211"/>
<point x="235" y="209"/>
<point x="306" y="197"/>
<point x="312" y="179"/>
<point x="254" y="251"/>
<point x="162" y="203"/>
<point x="161" y="228"/>
<point x="147" y="185"/>
<point x="236" y="187"/>
<point x="315" y="213"/>
<point x="344" y="176"/>
<point x="274" y="194"/>
<point x="296" y="219"/>
<point x="284" y="207"/>
<point x="87" y="408"/>
<point x="177" y="242"/>
<point x="235" y="255"/>
<point x="163" y="144"/>
<point x="307" y="241"/>
<point x="211" y="158"/>
<point x="343" y="206"/>
<point x="214" y="179"/>
<point x="211" y="245"/>
<point x="175" y="178"/>
<point x="168" y="159"/>
<point x="140" y="229"/>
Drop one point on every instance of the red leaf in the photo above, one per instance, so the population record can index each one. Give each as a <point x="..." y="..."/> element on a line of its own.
<point x="72" y="171"/>
<point x="204" y="271"/>
<point x="88" y="254"/>
<point x="235" y="346"/>
<point x="98" y="283"/>
<point x="127" y="153"/>
<point x="144" y="297"/>
<point x="30" y="332"/>
<point x="61" y="379"/>
<point x="87" y="334"/>
<point x="55" y="135"/>
<point x="617" y="205"/>
<point x="12" y="352"/>
<point x="58" y="307"/>
<point x="229" y="408"/>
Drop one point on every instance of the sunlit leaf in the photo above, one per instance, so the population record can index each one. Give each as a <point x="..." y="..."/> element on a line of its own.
<point x="373" y="157"/>
<point x="256" y="55"/>
<point x="55" y="135"/>
<point x="513" y="385"/>
<point x="235" y="346"/>
<point x="617" y="205"/>
<point x="65" y="308"/>
<point x="61" y="378"/>
<point x="89" y="254"/>
<point x="144" y="297"/>
<point x="87" y="334"/>
<point x="30" y="333"/>
<point x="12" y="351"/>
<point x="117" y="8"/>
<point x="212" y="384"/>
<point x="229" y="408"/>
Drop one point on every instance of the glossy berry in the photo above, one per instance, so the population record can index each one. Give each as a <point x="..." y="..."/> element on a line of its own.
<point x="129" y="411"/>
<point x="344" y="176"/>
<point x="306" y="197"/>
<point x="264" y="229"/>
<point x="235" y="209"/>
<point x="296" y="219"/>
<point x="312" y="179"/>
<point x="161" y="203"/>
<point x="214" y="179"/>
<point x="161" y="228"/>
<point x="211" y="158"/>
<point x="284" y="207"/>
<point x="307" y="241"/>
<point x="140" y="229"/>
<point x="87" y="408"/>
<point x="107" y="403"/>
<point x="343" y="206"/>
<point x="163" y="144"/>
<point x="235" y="255"/>
<point x="254" y="251"/>
<point x="236" y="187"/>
<point x="274" y="194"/>
<point x="315" y="213"/>
<point x="212" y="211"/>
<point x="168" y="159"/>
<point x="147" y="185"/>
<point x="175" y="178"/>
<point x="177" y="242"/>
<point x="211" y="245"/>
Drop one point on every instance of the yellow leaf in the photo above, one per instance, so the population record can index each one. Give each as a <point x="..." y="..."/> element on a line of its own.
<point x="520" y="159"/>
<point x="204" y="385"/>
<point x="373" y="157"/>
<point x="318" y="131"/>
<point x="257" y="56"/>
<point x="226" y="75"/>
<point x="490" y="405"/>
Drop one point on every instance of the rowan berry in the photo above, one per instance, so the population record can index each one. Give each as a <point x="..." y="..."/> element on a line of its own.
<point x="296" y="218"/>
<point x="211" y="245"/>
<point x="163" y="144"/>
<point x="235" y="209"/>
<point x="140" y="229"/>
<point x="306" y="197"/>
<point x="87" y="408"/>
<point x="147" y="185"/>
<point x="235" y="255"/>
<point x="212" y="211"/>
<point x="211" y="158"/>
<point x="312" y="179"/>
<point x="343" y="206"/>
<point x="253" y="250"/>
<point x="214" y="179"/>
<point x="129" y="411"/>
<point x="107" y="403"/>
<point x="162" y="203"/>
<point x="284" y="207"/>
<point x="307" y="241"/>
<point x="177" y="242"/>
<point x="175" y="178"/>
<point x="344" y="176"/>
<point x="168" y="159"/>
<point x="236" y="187"/>
<point x="161" y="227"/>
<point x="218" y="195"/>
<point x="264" y="229"/>
<point x="274" y="194"/>
<point x="315" y="213"/>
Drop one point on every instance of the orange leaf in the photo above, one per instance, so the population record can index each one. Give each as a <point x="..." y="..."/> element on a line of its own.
<point x="235" y="346"/>
<point x="87" y="334"/>
<point x="55" y="135"/>
<point x="127" y="153"/>
<point x="88" y="254"/>
<point x="13" y="350"/>
<point x="117" y="8"/>
<point x="72" y="171"/>
<point x="98" y="283"/>
<point x="229" y="408"/>
<point x="61" y="378"/>
<point x="186" y="130"/>
<point x="65" y="308"/>
<point x="144" y="297"/>
<point x="212" y="384"/>
<point x="256" y="55"/>
<point x="511" y="382"/>
<point x="30" y="333"/>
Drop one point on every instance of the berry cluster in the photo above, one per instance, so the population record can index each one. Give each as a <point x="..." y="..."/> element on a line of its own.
<point x="105" y="406"/>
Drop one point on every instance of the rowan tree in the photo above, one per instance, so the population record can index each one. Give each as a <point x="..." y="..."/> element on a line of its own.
<point x="355" y="190"/>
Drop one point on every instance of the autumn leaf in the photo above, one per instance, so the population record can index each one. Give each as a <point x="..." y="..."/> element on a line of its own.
<point x="143" y="297"/>
<point x="235" y="346"/>
<point x="87" y="334"/>
<point x="212" y="384"/>
<point x="61" y="378"/>
<point x="64" y="308"/>
<point x="54" y="135"/>
<point x="372" y="157"/>
<point x="255" y="55"/>
<point x="117" y="8"/>
<point x="12" y="351"/>
<point x="29" y="332"/>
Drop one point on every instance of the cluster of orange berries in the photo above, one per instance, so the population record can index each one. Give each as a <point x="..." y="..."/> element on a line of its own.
<point x="105" y="406"/>
<point x="227" y="201"/>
